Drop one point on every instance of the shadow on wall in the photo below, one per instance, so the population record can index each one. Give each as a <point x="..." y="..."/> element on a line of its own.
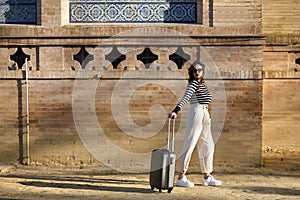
<point x="182" y="12"/>
<point x="169" y="11"/>
<point x="192" y="12"/>
<point x="20" y="120"/>
<point x="22" y="131"/>
<point x="20" y="12"/>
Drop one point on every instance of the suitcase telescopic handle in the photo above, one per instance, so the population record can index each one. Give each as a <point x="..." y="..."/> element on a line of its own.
<point x="169" y="133"/>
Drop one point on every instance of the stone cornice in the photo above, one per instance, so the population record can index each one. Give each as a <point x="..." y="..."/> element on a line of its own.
<point x="108" y="30"/>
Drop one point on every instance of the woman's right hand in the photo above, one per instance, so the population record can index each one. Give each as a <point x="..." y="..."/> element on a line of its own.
<point x="172" y="115"/>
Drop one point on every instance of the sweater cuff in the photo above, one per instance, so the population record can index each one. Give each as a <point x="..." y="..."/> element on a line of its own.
<point x="176" y="110"/>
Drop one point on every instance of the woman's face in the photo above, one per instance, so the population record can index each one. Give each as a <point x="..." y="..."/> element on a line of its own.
<point x="198" y="71"/>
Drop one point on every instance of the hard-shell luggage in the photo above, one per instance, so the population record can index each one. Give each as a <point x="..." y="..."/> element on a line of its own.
<point x="162" y="169"/>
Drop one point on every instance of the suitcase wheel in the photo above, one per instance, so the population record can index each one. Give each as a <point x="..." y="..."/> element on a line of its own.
<point x="170" y="190"/>
<point x="152" y="187"/>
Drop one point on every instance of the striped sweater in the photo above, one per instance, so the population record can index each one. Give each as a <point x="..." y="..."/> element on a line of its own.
<point x="194" y="95"/>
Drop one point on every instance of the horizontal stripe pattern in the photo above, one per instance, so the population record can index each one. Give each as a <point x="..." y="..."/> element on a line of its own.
<point x="194" y="95"/>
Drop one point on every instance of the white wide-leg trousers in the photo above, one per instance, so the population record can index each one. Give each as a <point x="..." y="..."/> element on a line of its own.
<point x="198" y="133"/>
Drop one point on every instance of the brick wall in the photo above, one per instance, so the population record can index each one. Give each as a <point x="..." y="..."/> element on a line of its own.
<point x="233" y="43"/>
<point x="51" y="12"/>
<point x="281" y="113"/>
<point x="237" y="13"/>
<point x="281" y="81"/>
<point x="54" y="138"/>
<point x="11" y="124"/>
<point x="281" y="17"/>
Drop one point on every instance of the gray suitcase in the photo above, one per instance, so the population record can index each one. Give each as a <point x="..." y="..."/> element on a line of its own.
<point x="162" y="169"/>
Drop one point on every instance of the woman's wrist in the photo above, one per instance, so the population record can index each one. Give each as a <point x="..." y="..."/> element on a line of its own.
<point x="176" y="110"/>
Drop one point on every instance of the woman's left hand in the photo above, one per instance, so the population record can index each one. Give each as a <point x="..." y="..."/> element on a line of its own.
<point x="172" y="115"/>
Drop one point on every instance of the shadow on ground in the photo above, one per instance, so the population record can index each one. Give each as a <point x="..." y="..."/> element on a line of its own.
<point x="268" y="190"/>
<point x="87" y="187"/>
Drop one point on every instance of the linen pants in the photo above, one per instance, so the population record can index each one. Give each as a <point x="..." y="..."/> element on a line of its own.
<point x="198" y="133"/>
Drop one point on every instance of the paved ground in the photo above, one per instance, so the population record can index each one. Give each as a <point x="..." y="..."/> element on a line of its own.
<point x="39" y="182"/>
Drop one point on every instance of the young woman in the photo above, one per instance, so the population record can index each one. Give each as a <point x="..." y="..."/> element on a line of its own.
<point x="198" y="128"/>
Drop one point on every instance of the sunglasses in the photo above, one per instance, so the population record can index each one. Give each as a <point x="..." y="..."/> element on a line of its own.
<point x="197" y="70"/>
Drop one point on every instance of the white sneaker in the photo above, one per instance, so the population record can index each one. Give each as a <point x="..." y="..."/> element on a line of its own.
<point x="184" y="182"/>
<point x="211" y="181"/>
